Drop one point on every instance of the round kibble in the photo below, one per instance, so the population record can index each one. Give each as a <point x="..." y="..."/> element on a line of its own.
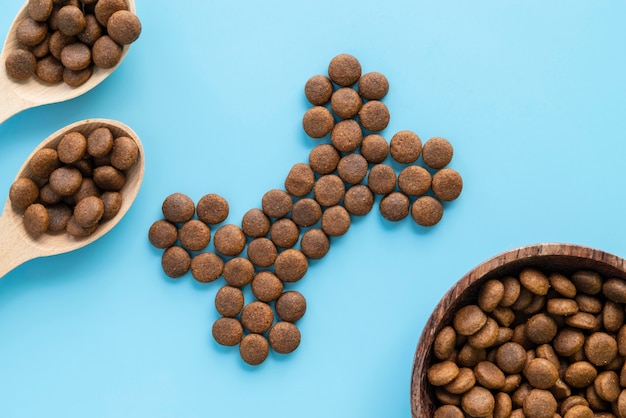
<point x="534" y="280"/>
<point x="30" y="32"/>
<point x="346" y="135"/>
<point x="36" y="220"/>
<point x="444" y="343"/>
<point x="323" y="159"/>
<point x="57" y="42"/>
<point x="100" y="142"/>
<point x="448" y="411"/>
<point x="478" y="402"/>
<point x="227" y="331"/>
<point x="257" y="317"/>
<point x="469" y="319"/>
<point x="125" y="153"/>
<point x="437" y="152"/>
<point x="588" y="282"/>
<point x="71" y="20"/>
<point x="489" y="375"/>
<point x="374" y="116"/>
<point x="124" y="27"/>
<point x="414" y="180"/>
<point x="77" y="231"/>
<point x="490" y="295"/>
<point x="352" y="168"/>
<point x="23" y="193"/>
<point x="105" y="52"/>
<point x="212" y="209"/>
<point x="72" y="147"/>
<point x="405" y="147"/>
<point x="105" y="8"/>
<point x="329" y="190"/>
<point x="381" y="179"/>
<point x="40" y="9"/>
<point x="238" y="271"/>
<point x="290" y="306"/>
<point x="463" y="382"/>
<point x="194" y="235"/>
<point x="65" y="180"/>
<point x="607" y="386"/>
<point x="615" y="290"/>
<point x="254" y="349"/>
<point x="76" y="56"/>
<point x="486" y="336"/>
<point x="318" y="90"/>
<point x="42" y="49"/>
<point x="229" y="301"/>
<point x="109" y="178"/>
<point x="373" y="86"/>
<point x="266" y="287"/>
<point x="318" y="122"/>
<point x="175" y="262"/>
<point x="20" y="64"/>
<point x="562" y="285"/>
<point x="262" y="252"/>
<point x="344" y="70"/>
<point x="335" y="221"/>
<point x="600" y="348"/>
<point x="440" y="374"/>
<point x="580" y="374"/>
<point x="178" y="208"/>
<point x="374" y="148"/>
<point x="207" y="267"/>
<point x="92" y="30"/>
<point x="276" y="203"/>
<point x="541" y="373"/>
<point x="345" y="102"/>
<point x="49" y="70"/>
<point x="306" y="212"/>
<point x="540" y="403"/>
<point x="76" y="78"/>
<point x="511" y="357"/>
<point x="255" y="223"/>
<point x="358" y="200"/>
<point x="314" y="243"/>
<point x="49" y="196"/>
<point x="579" y="411"/>
<point x="284" y="233"/>
<point x="541" y="328"/>
<point x="229" y="240"/>
<point x="44" y="162"/>
<point x="60" y="215"/>
<point x="284" y="337"/>
<point x="561" y="306"/>
<point x="426" y="211"/>
<point x="291" y="265"/>
<point x="89" y="211"/>
<point x="395" y="206"/>
<point x="300" y="180"/>
<point x="112" y="204"/>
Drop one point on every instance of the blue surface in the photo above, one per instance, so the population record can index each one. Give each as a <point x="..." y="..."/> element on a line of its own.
<point x="532" y="95"/>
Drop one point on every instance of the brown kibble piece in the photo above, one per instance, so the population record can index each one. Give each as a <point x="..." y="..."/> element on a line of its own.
<point x="607" y="386"/>
<point x="405" y="147"/>
<point x="76" y="56"/>
<point x="352" y="168"/>
<point x="291" y="265"/>
<point x="511" y="357"/>
<point x="162" y="234"/>
<point x="276" y="203"/>
<point x="579" y="411"/>
<point x="112" y="204"/>
<point x="440" y="374"/>
<point x="178" y="208"/>
<point x="238" y="271"/>
<point x="478" y="402"/>
<point x="207" y="267"/>
<point x="291" y="306"/>
<point x="266" y="287"/>
<point x="92" y="31"/>
<point x="469" y="319"/>
<point x="23" y="193"/>
<point x="42" y="49"/>
<point x="71" y="20"/>
<point x="212" y="209"/>
<point x="414" y="180"/>
<point x="588" y="282"/>
<point x="541" y="373"/>
<point x="444" y="343"/>
<point x="381" y="179"/>
<point x="373" y="86"/>
<point x="374" y="148"/>
<point x="89" y="211"/>
<point x="561" y="306"/>
<point x="72" y="147"/>
<point x="227" y="331"/>
<point x="541" y="328"/>
<point x="175" y="262"/>
<point x="300" y="180"/>
<point x="463" y="382"/>
<point x="99" y="142"/>
<point x="346" y="135"/>
<point x="40" y="10"/>
<point x="124" y="27"/>
<point x="358" y="200"/>
<point x="105" y="52"/>
<point x="323" y="159"/>
<point x="255" y="223"/>
<point x="344" y="70"/>
<point x="315" y="243"/>
<point x="447" y="184"/>
<point x="65" y="180"/>
<point x="105" y="8"/>
<point x="582" y="320"/>
<point x="318" y="90"/>
<point x="345" y="102"/>
<point x="229" y="301"/>
<point x="562" y="285"/>
<point x="437" y="152"/>
<point x="426" y="211"/>
<point x="109" y="178"/>
<point x="534" y="280"/>
<point x="58" y="41"/>
<point x="59" y="215"/>
<point x="486" y="336"/>
<point x="329" y="190"/>
<point x="335" y="221"/>
<point x="615" y="289"/>
<point x="20" y="64"/>
<point x="36" y="220"/>
<point x="395" y="206"/>
<point x="125" y="153"/>
<point x="489" y="375"/>
<point x="600" y="348"/>
<point x="29" y="32"/>
<point x="257" y="317"/>
<point x="44" y="162"/>
<point x="580" y="374"/>
<point x="306" y="212"/>
<point x="77" y="231"/>
<point x="284" y="233"/>
<point x="194" y="235"/>
<point x="49" y="70"/>
<point x="76" y="78"/>
<point x="254" y="349"/>
<point x="490" y="295"/>
<point x="540" y="403"/>
<point x="284" y="337"/>
<point x="374" y="116"/>
<point x="262" y="252"/>
<point x="317" y="122"/>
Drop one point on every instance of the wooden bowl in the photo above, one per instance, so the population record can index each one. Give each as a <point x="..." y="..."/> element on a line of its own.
<point x="564" y="258"/>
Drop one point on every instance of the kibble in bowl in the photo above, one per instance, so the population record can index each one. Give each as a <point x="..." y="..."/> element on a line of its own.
<point x="534" y="332"/>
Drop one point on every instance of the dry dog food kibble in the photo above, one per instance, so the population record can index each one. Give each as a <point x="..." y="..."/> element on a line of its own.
<point x="207" y="267"/>
<point x="229" y="301"/>
<point x="318" y="90"/>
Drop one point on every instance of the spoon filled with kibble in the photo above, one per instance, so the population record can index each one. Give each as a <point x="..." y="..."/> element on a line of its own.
<point x="73" y="188"/>
<point x="56" y="52"/>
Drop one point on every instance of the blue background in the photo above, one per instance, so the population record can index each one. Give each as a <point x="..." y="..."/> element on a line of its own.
<point x="532" y="95"/>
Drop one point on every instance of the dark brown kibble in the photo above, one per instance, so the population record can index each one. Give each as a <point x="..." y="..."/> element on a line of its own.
<point x="89" y="211"/>
<point x="229" y="301"/>
<point x="178" y="208"/>
<point x="395" y="206"/>
<point x="352" y="168"/>
<point x="76" y="78"/>
<point x="426" y="211"/>
<point x="266" y="287"/>
<point x="44" y="162"/>
<point x="238" y="272"/>
<point x="306" y="212"/>
<point x="317" y="122"/>
<point x="587" y="281"/>
<point x="212" y="209"/>
<point x="344" y="70"/>
<point x="329" y="190"/>
<point x="112" y="204"/>
<point x="437" y="152"/>
<point x="65" y="180"/>
<point x="105" y="8"/>
<point x="124" y="27"/>
<point x="291" y="265"/>
<point x="284" y="337"/>
<point x="30" y="32"/>
<point x="20" y="64"/>
<point x="358" y="200"/>
<point x="314" y="243"/>
<point x="291" y="306"/>
<point x="109" y="178"/>
<point x="125" y="153"/>
<point x="374" y="116"/>
<point x="106" y="53"/>
<point x="447" y="184"/>
<point x="162" y="234"/>
<point x="324" y="159"/>
<point x="254" y="349"/>
<point x="276" y="203"/>
<point x="40" y="10"/>
<point x="414" y="180"/>
<point x="318" y="90"/>
<point x="71" y="20"/>
<point x="58" y="41"/>
<point x="207" y="267"/>
<point x="347" y="135"/>
<point x="76" y="56"/>
<point x="405" y="147"/>
<point x="257" y="317"/>
<point x="381" y="179"/>
<point x="335" y="221"/>
<point x="255" y="223"/>
<point x="49" y="70"/>
<point x="373" y="86"/>
<point x="60" y="215"/>
<point x="92" y="31"/>
<point x="345" y="102"/>
<point x="175" y="262"/>
<point x="72" y="147"/>
<point x="99" y="142"/>
<point x="77" y="231"/>
<point x="49" y="196"/>
<point x="42" y="49"/>
<point x="194" y="235"/>
<point x="23" y="193"/>
<point x="374" y="148"/>
<point x="300" y="180"/>
<point x="36" y="220"/>
<point x="262" y="252"/>
<point x="284" y="233"/>
<point x="541" y="329"/>
<point x="227" y="331"/>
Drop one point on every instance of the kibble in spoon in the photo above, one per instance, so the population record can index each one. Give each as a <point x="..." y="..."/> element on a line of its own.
<point x="87" y="57"/>
<point x="18" y="245"/>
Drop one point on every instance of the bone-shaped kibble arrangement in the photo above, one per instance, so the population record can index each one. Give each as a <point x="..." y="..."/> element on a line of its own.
<point x="298" y="223"/>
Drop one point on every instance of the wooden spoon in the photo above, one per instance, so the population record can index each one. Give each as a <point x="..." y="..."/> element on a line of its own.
<point x="17" y="246"/>
<point x="16" y="96"/>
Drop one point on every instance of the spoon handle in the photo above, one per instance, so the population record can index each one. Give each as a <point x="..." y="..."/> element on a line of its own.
<point x="10" y="103"/>
<point x="14" y="250"/>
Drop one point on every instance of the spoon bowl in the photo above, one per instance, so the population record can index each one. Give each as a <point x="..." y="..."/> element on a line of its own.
<point x="16" y="95"/>
<point x="17" y="246"/>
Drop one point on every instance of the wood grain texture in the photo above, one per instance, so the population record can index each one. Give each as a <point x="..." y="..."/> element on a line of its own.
<point x="17" y="247"/>
<point x="16" y="96"/>
<point x="550" y="257"/>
